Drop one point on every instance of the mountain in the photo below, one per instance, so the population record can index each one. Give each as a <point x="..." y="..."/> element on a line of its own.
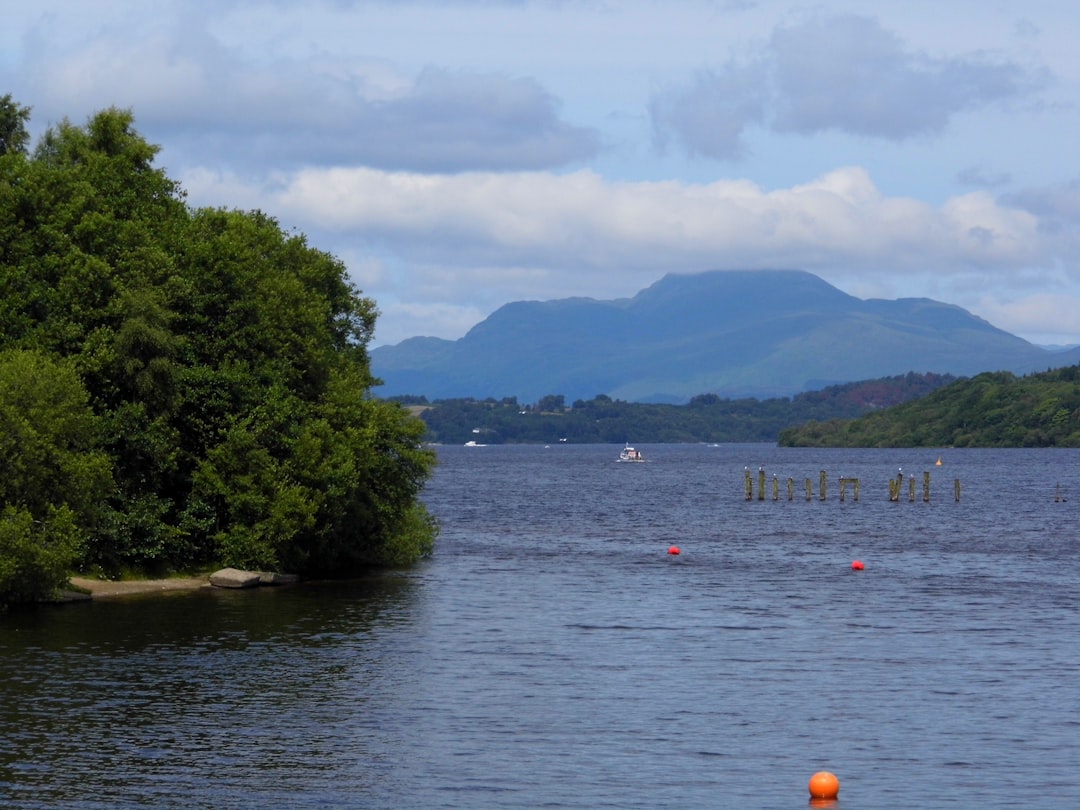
<point x="733" y="333"/>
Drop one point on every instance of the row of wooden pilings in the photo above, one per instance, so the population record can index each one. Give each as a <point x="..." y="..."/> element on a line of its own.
<point x="896" y="487"/>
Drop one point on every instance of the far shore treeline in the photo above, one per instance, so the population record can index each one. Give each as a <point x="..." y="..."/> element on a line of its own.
<point x="706" y="418"/>
<point x="994" y="409"/>
<point x="181" y="388"/>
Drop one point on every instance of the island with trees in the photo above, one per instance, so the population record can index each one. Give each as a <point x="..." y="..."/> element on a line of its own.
<point x="181" y="388"/>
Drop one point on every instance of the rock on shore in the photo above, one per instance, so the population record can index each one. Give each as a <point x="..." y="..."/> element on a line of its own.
<point x="235" y="578"/>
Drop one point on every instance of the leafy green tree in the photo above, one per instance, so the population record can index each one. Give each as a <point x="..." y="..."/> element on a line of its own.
<point x="55" y="479"/>
<point x="13" y="120"/>
<point x="225" y="361"/>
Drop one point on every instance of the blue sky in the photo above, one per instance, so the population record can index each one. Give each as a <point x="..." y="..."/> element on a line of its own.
<point x="462" y="154"/>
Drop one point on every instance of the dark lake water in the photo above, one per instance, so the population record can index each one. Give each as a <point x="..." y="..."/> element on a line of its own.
<point x="553" y="654"/>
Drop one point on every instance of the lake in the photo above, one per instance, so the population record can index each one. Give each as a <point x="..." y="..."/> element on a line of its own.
<point x="552" y="653"/>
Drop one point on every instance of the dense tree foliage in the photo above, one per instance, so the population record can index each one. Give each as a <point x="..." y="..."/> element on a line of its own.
<point x="222" y="363"/>
<point x="13" y="121"/>
<point x="54" y="477"/>
<point x="989" y="410"/>
<point x="707" y="418"/>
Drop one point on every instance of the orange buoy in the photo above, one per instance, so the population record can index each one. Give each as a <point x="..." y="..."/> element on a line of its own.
<point x="673" y="550"/>
<point x="824" y="785"/>
<point x="857" y="565"/>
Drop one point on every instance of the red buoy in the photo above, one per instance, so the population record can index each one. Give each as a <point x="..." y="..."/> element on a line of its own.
<point x="824" y="785"/>
<point x="857" y="565"/>
<point x="673" y="550"/>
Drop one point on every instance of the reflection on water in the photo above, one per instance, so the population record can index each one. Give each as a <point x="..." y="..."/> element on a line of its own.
<point x="553" y="654"/>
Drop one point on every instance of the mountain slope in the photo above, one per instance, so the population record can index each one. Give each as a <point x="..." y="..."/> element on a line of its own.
<point x="734" y="333"/>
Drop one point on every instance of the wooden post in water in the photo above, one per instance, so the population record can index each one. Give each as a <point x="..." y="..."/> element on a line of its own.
<point x="926" y="486"/>
<point x="809" y="490"/>
<point x="761" y="483"/>
<point x="894" y="490"/>
<point x="911" y="489"/>
<point x="956" y="489"/>
<point x="790" y="488"/>
<point x="843" y="486"/>
<point x="749" y="484"/>
<point x="822" y="485"/>
<point x="775" y="488"/>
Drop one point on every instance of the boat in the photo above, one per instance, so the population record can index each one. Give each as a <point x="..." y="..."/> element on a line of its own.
<point x="630" y="454"/>
<point x="472" y="443"/>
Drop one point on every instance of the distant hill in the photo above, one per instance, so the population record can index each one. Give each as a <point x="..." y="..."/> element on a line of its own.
<point x="993" y="409"/>
<point x="732" y="333"/>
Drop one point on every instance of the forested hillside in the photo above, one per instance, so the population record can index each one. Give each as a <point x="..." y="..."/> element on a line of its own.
<point x="988" y="410"/>
<point x="181" y="388"/>
<point x="707" y="418"/>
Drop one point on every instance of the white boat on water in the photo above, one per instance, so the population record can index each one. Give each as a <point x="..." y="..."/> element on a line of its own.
<point x="472" y="443"/>
<point x="630" y="454"/>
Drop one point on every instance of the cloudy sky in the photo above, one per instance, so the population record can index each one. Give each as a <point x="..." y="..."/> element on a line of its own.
<point x="461" y="154"/>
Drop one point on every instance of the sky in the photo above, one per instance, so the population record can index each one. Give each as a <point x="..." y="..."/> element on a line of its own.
<point x="463" y="154"/>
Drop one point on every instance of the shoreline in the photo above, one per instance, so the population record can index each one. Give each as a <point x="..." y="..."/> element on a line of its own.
<point x="101" y="589"/>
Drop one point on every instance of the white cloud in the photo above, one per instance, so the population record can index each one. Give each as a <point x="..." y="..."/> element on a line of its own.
<point x="1044" y="318"/>
<point x="306" y="109"/>
<point x="833" y="72"/>
<point x="460" y="154"/>
<point x="475" y="240"/>
<point x="580" y="220"/>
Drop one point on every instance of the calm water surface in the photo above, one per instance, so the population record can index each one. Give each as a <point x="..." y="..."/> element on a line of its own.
<point x="553" y="654"/>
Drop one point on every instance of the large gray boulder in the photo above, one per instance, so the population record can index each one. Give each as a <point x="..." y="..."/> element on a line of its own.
<point x="235" y="578"/>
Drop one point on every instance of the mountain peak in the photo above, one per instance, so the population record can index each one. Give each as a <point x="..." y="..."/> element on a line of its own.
<point x="734" y="333"/>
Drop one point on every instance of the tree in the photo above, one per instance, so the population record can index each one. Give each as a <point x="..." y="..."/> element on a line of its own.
<point x="13" y="119"/>
<point x="55" y="478"/>
<point x="225" y="362"/>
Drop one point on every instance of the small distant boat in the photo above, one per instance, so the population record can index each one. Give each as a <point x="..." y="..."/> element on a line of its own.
<point x="630" y="454"/>
<point x="938" y="462"/>
<point x="472" y="443"/>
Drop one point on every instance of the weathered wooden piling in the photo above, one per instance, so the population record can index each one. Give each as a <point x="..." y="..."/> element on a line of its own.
<point x="844" y="481"/>
<point x="896" y="487"/>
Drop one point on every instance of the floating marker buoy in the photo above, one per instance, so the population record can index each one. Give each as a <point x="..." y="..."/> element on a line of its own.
<point x="857" y="565"/>
<point x="674" y="550"/>
<point x="824" y="785"/>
